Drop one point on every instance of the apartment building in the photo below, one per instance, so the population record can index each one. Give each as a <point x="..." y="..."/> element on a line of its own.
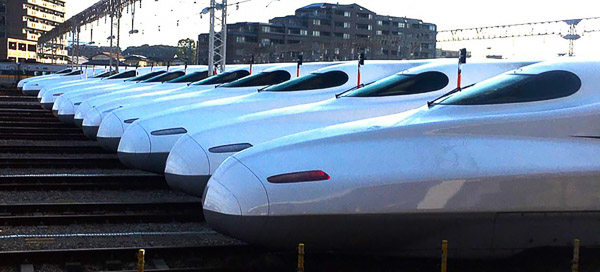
<point x="325" y="32"/>
<point x="22" y="22"/>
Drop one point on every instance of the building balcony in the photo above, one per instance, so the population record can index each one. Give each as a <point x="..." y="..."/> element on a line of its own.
<point x="48" y="5"/>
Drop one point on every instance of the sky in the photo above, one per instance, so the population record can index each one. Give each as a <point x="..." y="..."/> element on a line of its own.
<point x="167" y="21"/>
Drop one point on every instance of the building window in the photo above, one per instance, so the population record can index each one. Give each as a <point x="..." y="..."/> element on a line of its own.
<point x="240" y="39"/>
<point x="12" y="45"/>
<point x="316" y="33"/>
<point x="432" y="27"/>
<point x="401" y="25"/>
<point x="379" y="32"/>
<point x="336" y="51"/>
<point x="346" y="14"/>
<point x="265" y="42"/>
<point x="346" y="25"/>
<point x="303" y="32"/>
<point x="379" y="22"/>
<point x="266" y="29"/>
<point x="316" y="22"/>
<point x="370" y="27"/>
<point x="346" y="36"/>
<point x="22" y="47"/>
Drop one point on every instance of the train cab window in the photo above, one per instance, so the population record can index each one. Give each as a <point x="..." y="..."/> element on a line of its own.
<point x="261" y="79"/>
<point x="402" y="84"/>
<point x="105" y="74"/>
<point x="146" y="76"/>
<point x="64" y="71"/>
<point x="312" y="81"/>
<point x="126" y="74"/>
<point x="165" y="77"/>
<point x="223" y="78"/>
<point x="192" y="77"/>
<point x="74" y="73"/>
<point x="517" y="88"/>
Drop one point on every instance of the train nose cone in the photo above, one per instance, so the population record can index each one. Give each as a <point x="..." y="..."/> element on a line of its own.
<point x="31" y="89"/>
<point x="235" y="202"/>
<point x="134" y="147"/>
<point x="81" y="113"/>
<point x="187" y="167"/>
<point x="46" y="100"/>
<point x="110" y="131"/>
<point x="66" y="112"/>
<point x="91" y="123"/>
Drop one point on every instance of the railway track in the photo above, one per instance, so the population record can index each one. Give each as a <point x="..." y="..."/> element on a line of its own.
<point x="171" y="259"/>
<point x="95" y="181"/>
<point x="86" y="213"/>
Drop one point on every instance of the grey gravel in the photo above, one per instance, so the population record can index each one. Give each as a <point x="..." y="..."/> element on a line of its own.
<point x="64" y="171"/>
<point x="204" y="237"/>
<point x="152" y="196"/>
<point x="47" y="143"/>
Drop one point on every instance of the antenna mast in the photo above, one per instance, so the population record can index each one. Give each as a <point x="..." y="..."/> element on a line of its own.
<point x="217" y="40"/>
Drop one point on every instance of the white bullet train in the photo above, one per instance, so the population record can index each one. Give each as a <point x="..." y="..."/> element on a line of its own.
<point x="157" y="134"/>
<point x="48" y="95"/>
<point x="196" y="156"/>
<point x="36" y="78"/>
<point x="92" y="111"/>
<point x="508" y="164"/>
<point x="88" y="108"/>
<point x="66" y="104"/>
<point x="114" y="124"/>
<point x="33" y="87"/>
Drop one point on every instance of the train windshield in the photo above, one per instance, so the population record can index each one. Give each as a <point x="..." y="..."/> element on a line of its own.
<point x="516" y="88"/>
<point x="260" y="79"/>
<point x="403" y="84"/>
<point x="193" y="77"/>
<point x="312" y="81"/>
<point x="105" y="74"/>
<point x="223" y="78"/>
<point x="64" y="71"/>
<point x="74" y="73"/>
<point x="165" y="77"/>
<point x="126" y="74"/>
<point x="146" y="76"/>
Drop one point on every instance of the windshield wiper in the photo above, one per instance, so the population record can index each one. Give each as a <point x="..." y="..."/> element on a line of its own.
<point x="338" y="95"/>
<point x="434" y="102"/>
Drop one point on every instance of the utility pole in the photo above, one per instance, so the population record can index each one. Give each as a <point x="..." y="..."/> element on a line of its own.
<point x="217" y="40"/>
<point x="112" y="14"/>
<point x="572" y="36"/>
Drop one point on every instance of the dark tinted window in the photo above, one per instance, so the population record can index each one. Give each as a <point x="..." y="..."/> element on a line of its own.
<point x="192" y="77"/>
<point x="261" y="79"/>
<point x="312" y="81"/>
<point x="76" y="72"/>
<point x="403" y="85"/>
<point x="147" y="76"/>
<point x="126" y="74"/>
<point x="223" y="78"/>
<point x="64" y="71"/>
<point x="165" y="77"/>
<point x="517" y="88"/>
<point x="105" y="74"/>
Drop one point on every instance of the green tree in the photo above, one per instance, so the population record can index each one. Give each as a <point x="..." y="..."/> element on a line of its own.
<point x="186" y="50"/>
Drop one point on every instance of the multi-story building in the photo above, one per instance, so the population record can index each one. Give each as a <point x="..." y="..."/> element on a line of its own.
<point x="323" y="32"/>
<point x="22" y="22"/>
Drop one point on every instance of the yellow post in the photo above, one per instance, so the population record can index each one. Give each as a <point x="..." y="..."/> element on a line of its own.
<point x="301" y="257"/>
<point x="444" y="255"/>
<point x="575" y="262"/>
<point x="141" y="254"/>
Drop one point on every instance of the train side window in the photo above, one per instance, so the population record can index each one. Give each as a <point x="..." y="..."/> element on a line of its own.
<point x="31" y="47"/>
<point x="403" y="85"/>
<point x="312" y="81"/>
<point x="12" y="45"/>
<point x="518" y="88"/>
